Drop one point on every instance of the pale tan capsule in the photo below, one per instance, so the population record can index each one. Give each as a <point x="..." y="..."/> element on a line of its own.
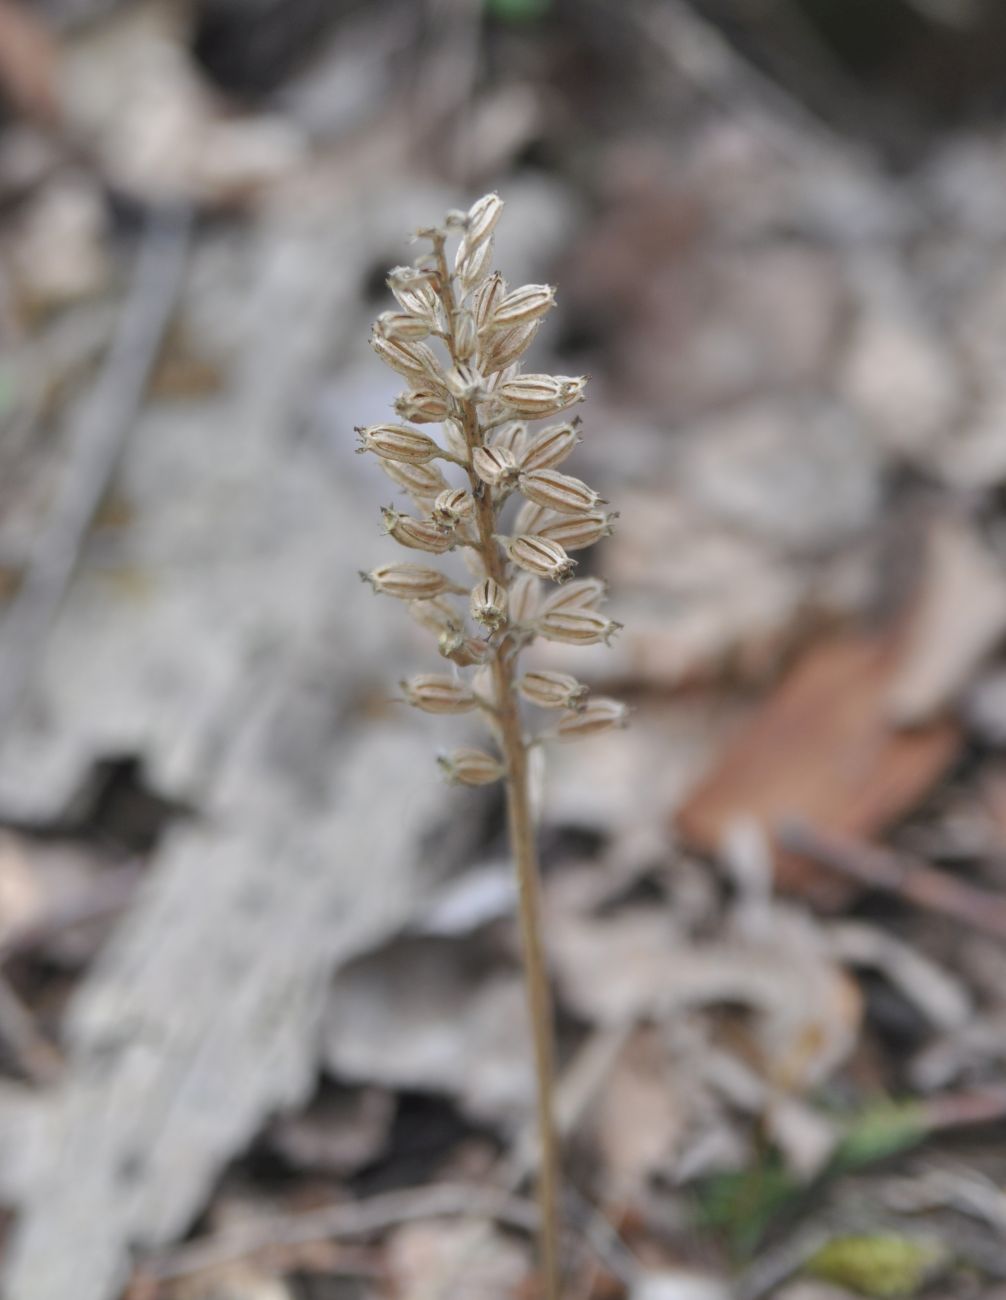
<point x="415" y="292"/>
<point x="525" y="594"/>
<point x="486" y="297"/>
<point x="418" y="534"/>
<point x="437" y="615"/>
<point x="556" y="491"/>
<point x="454" y="440"/>
<point x="424" y="481"/>
<point x="539" y="556"/>
<point x="539" y="395"/>
<point x="552" y="690"/>
<point x="530" y="518"/>
<point x="464" y="382"/>
<point x="582" y="593"/>
<point x="465" y="651"/>
<point x="401" y="325"/>
<point x="397" y="442"/>
<point x="408" y="581"/>
<point x="488" y="604"/>
<point x="577" y="531"/>
<point x="452" y="506"/>
<point x="413" y="360"/>
<point x="484" y="685"/>
<point x="438" y="693"/>
<point x="471" y="767"/>
<point x="465" y="336"/>
<point x="496" y="466"/>
<point x="423" y="406"/>
<point x="482" y="218"/>
<point x="510" y="435"/>
<point x="522" y="306"/>
<point x="549" y="447"/>
<point x="575" y="626"/>
<point x="502" y="350"/>
<point x="599" y="714"/>
<point x="473" y="263"/>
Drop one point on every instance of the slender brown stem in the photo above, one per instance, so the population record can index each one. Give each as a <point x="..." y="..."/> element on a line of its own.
<point x="522" y="841"/>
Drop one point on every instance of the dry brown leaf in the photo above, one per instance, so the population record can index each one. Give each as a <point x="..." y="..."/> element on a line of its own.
<point x="423" y="1262"/>
<point x="821" y="748"/>
<point x="638" y="1116"/>
<point x="959" y="618"/>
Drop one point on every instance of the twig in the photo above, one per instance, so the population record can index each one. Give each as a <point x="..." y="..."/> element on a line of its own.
<point x="100" y="430"/>
<point x="909" y="878"/>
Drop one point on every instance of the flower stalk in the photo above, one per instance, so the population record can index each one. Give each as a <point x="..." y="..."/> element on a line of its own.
<point x="473" y="386"/>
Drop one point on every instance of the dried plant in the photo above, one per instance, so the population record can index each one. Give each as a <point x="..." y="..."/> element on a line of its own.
<point x="472" y="386"/>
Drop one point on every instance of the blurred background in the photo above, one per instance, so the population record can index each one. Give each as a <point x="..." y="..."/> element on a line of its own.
<point x="261" y="1024"/>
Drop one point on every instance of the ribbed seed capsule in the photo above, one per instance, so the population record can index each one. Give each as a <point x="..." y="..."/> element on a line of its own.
<point x="550" y="447"/>
<point x="503" y="350"/>
<point x="472" y="263"/>
<point x="525" y="596"/>
<point x="575" y="626"/>
<point x="488" y="604"/>
<point x="496" y="466"/>
<point x="552" y="690"/>
<point x="471" y="767"/>
<point x="438" y="693"/>
<point x="454" y="440"/>
<point x="578" y="531"/>
<point x="465" y="382"/>
<point x="581" y="593"/>
<point x="418" y="534"/>
<point x="414" y="291"/>
<point x="401" y="325"/>
<point x="465" y="651"/>
<point x="424" y="481"/>
<point x="423" y="406"/>
<point x="482" y="218"/>
<point x="539" y="556"/>
<point x="600" y="714"/>
<point x="522" y="306"/>
<point x="530" y="518"/>
<point x="408" y="581"/>
<point x="437" y="615"/>
<point x="510" y="435"/>
<point x="465" y="336"/>
<point x="539" y="395"/>
<point x="413" y="360"/>
<point x="451" y="506"/>
<point x="487" y="297"/>
<point x="556" y="491"/>
<point x="397" y="442"/>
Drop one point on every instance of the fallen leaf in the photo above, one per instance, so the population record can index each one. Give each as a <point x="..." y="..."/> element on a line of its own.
<point x="821" y="748"/>
<point x="453" y="1261"/>
<point x="638" y="1116"/>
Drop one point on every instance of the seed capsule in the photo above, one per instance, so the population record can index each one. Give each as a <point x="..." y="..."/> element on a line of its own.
<point x="413" y="360"/>
<point x="465" y="382"/>
<point x="575" y="626"/>
<point x="482" y="218"/>
<point x="488" y="604"/>
<point x="465" y="651"/>
<point x="510" y="435"/>
<point x="503" y="350"/>
<point x="583" y="593"/>
<point x="401" y="325"/>
<point x="496" y="466"/>
<point x="397" y="442"/>
<point x="530" y="518"/>
<point x="454" y="440"/>
<point x="422" y="406"/>
<point x="451" y="506"/>
<point x="539" y="395"/>
<point x="539" y="556"/>
<point x="437" y="615"/>
<point x="552" y="690"/>
<point x="414" y="291"/>
<point x="471" y="767"/>
<point x="424" y="481"/>
<point x="487" y="297"/>
<point x="472" y="263"/>
<point x="408" y="581"/>
<point x="550" y="447"/>
<point x="465" y="336"/>
<point x="578" y="531"/>
<point x="522" y="306"/>
<point x="418" y="534"/>
<point x="600" y="714"/>
<point x="438" y="693"/>
<point x="555" y="491"/>
<point x="525" y="594"/>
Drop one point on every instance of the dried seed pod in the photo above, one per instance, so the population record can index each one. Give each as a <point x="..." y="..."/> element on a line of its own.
<point x="502" y="350"/>
<point x="488" y="604"/>
<point x="438" y="693"/>
<point x="397" y="442"/>
<point x="577" y="531"/>
<point x="401" y="325"/>
<point x="472" y="263"/>
<point x="415" y="292"/>
<point x="582" y="593"/>
<point x="535" y="396"/>
<point x="530" y="518"/>
<point x="413" y="360"/>
<point x="552" y="690"/>
<point x="522" y="306"/>
<point x="423" y="406"/>
<point x="496" y="466"/>
<point x="525" y="596"/>
<point x="539" y="556"/>
<point x="487" y="296"/>
<point x="549" y="447"/>
<point x="600" y="714"/>
<point x="559" y="492"/>
<point x="465" y="382"/>
<point x="451" y="506"/>
<point x="418" y="534"/>
<point x="454" y="440"/>
<point x="465" y="651"/>
<point x="575" y="626"/>
<point x="465" y="336"/>
<point x="437" y="615"/>
<point x="471" y="767"/>
<point x="408" y="581"/>
<point x="510" y="435"/>
<point x="482" y="218"/>
<point x="424" y="481"/>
